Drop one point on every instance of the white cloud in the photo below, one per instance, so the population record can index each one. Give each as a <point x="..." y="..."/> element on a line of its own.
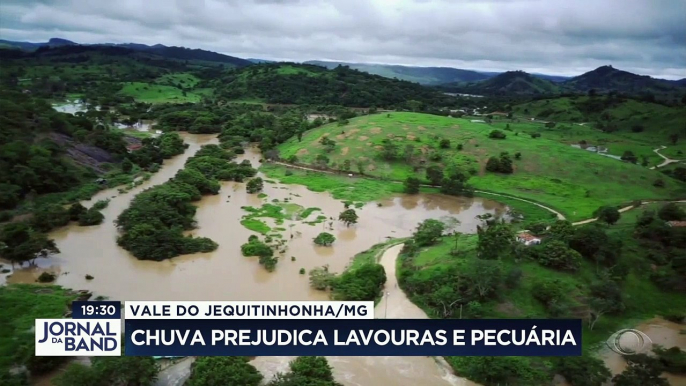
<point x="551" y="36"/>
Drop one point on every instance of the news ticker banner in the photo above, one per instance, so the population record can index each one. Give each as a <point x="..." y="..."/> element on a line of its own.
<point x="328" y="328"/>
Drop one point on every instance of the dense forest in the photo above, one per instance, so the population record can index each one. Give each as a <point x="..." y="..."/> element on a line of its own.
<point x="309" y="84"/>
<point x="152" y="227"/>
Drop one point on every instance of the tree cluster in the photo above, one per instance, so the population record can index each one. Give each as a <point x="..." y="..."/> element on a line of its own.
<point x="152" y="226"/>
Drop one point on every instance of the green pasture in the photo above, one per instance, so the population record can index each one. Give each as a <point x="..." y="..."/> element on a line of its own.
<point x="574" y="181"/>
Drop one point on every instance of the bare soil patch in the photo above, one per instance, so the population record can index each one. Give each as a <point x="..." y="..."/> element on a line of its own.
<point x="422" y="128"/>
<point x="362" y="138"/>
<point x="345" y="150"/>
<point x="375" y="130"/>
<point x="302" y="152"/>
<point x="508" y="308"/>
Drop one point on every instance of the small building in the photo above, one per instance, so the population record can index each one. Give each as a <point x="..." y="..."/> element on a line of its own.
<point x="676" y="223"/>
<point x="528" y="239"/>
<point x="134" y="146"/>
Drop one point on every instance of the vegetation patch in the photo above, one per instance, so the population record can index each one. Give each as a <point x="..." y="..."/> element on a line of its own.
<point x="600" y="273"/>
<point x="20" y="305"/>
<point x="153" y="224"/>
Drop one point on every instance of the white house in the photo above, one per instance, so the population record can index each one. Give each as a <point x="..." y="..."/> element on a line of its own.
<point x="528" y="239"/>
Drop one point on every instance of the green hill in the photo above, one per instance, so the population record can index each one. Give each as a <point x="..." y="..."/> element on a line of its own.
<point x="421" y="75"/>
<point x="106" y="75"/>
<point x="607" y="78"/>
<point x="571" y="180"/>
<point x="612" y="114"/>
<point x="509" y="83"/>
<point x="289" y="83"/>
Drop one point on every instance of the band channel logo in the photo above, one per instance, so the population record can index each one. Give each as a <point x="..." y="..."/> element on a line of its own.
<point x="78" y="337"/>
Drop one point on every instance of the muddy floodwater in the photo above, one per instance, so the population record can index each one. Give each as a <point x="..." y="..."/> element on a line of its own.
<point x="226" y="275"/>
<point x="661" y="332"/>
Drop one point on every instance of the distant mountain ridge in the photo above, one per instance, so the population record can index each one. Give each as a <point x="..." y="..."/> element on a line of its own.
<point x="173" y="52"/>
<point x="422" y="75"/>
<point x="603" y="79"/>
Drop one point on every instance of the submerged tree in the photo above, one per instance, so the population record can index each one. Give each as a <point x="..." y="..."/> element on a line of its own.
<point x="348" y="216"/>
<point x="324" y="239"/>
<point x="255" y="185"/>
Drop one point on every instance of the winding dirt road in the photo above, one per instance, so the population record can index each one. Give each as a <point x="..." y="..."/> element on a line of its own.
<point x="666" y="161"/>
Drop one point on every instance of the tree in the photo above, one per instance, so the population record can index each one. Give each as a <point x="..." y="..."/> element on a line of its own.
<point x="126" y="165"/>
<point x="389" y="149"/>
<point x="348" y="216"/>
<point x="223" y="371"/>
<point x="444" y="144"/>
<point x="428" y="232"/>
<point x="455" y="184"/>
<point x="255" y="185"/>
<point x="77" y="374"/>
<point x="91" y="217"/>
<point x="671" y="212"/>
<point x="585" y="370"/>
<point x="76" y="210"/>
<point x="562" y="230"/>
<point x="642" y="370"/>
<point x="324" y="239"/>
<point x="606" y="298"/>
<point x="497" y="134"/>
<point x="607" y="214"/>
<point x="503" y="164"/>
<point x="329" y="145"/>
<point x="412" y="185"/>
<point x="306" y="371"/>
<point x="23" y="244"/>
<point x="496" y="241"/>
<point x="557" y="254"/>
<point x="434" y="174"/>
<point x="127" y="370"/>
<point x="629" y="156"/>
<point x="363" y="283"/>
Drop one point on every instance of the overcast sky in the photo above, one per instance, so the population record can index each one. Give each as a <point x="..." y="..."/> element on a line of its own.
<point x="565" y="37"/>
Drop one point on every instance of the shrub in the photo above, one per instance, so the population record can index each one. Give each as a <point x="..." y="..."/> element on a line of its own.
<point x="91" y="217"/>
<point x="324" y="239"/>
<point x="46" y="277"/>
<point x="497" y="134"/>
<point x="255" y="185"/>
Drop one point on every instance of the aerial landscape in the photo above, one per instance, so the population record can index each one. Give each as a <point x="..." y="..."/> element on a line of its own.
<point x="213" y="151"/>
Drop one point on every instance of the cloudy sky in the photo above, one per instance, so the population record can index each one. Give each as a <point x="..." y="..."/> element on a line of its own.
<point x="564" y="37"/>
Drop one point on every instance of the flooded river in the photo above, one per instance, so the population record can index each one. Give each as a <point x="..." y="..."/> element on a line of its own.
<point x="661" y="332"/>
<point x="226" y="275"/>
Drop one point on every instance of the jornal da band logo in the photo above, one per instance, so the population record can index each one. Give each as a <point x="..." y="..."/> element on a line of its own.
<point x="82" y="337"/>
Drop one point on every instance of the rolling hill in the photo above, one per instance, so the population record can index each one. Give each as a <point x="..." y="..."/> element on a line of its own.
<point x="613" y="114"/>
<point x="603" y="80"/>
<point x="179" y="53"/>
<point x="571" y="180"/>
<point x="508" y="83"/>
<point x="421" y="75"/>
<point x="607" y="78"/>
<point x="290" y="83"/>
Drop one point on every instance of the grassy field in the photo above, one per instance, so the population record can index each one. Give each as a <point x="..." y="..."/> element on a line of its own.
<point x="20" y="305"/>
<point x="182" y="79"/>
<point x="658" y="123"/>
<point x="573" y="181"/>
<point x="156" y="93"/>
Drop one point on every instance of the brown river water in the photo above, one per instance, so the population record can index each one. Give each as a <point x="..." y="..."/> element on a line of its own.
<point x="226" y="275"/>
